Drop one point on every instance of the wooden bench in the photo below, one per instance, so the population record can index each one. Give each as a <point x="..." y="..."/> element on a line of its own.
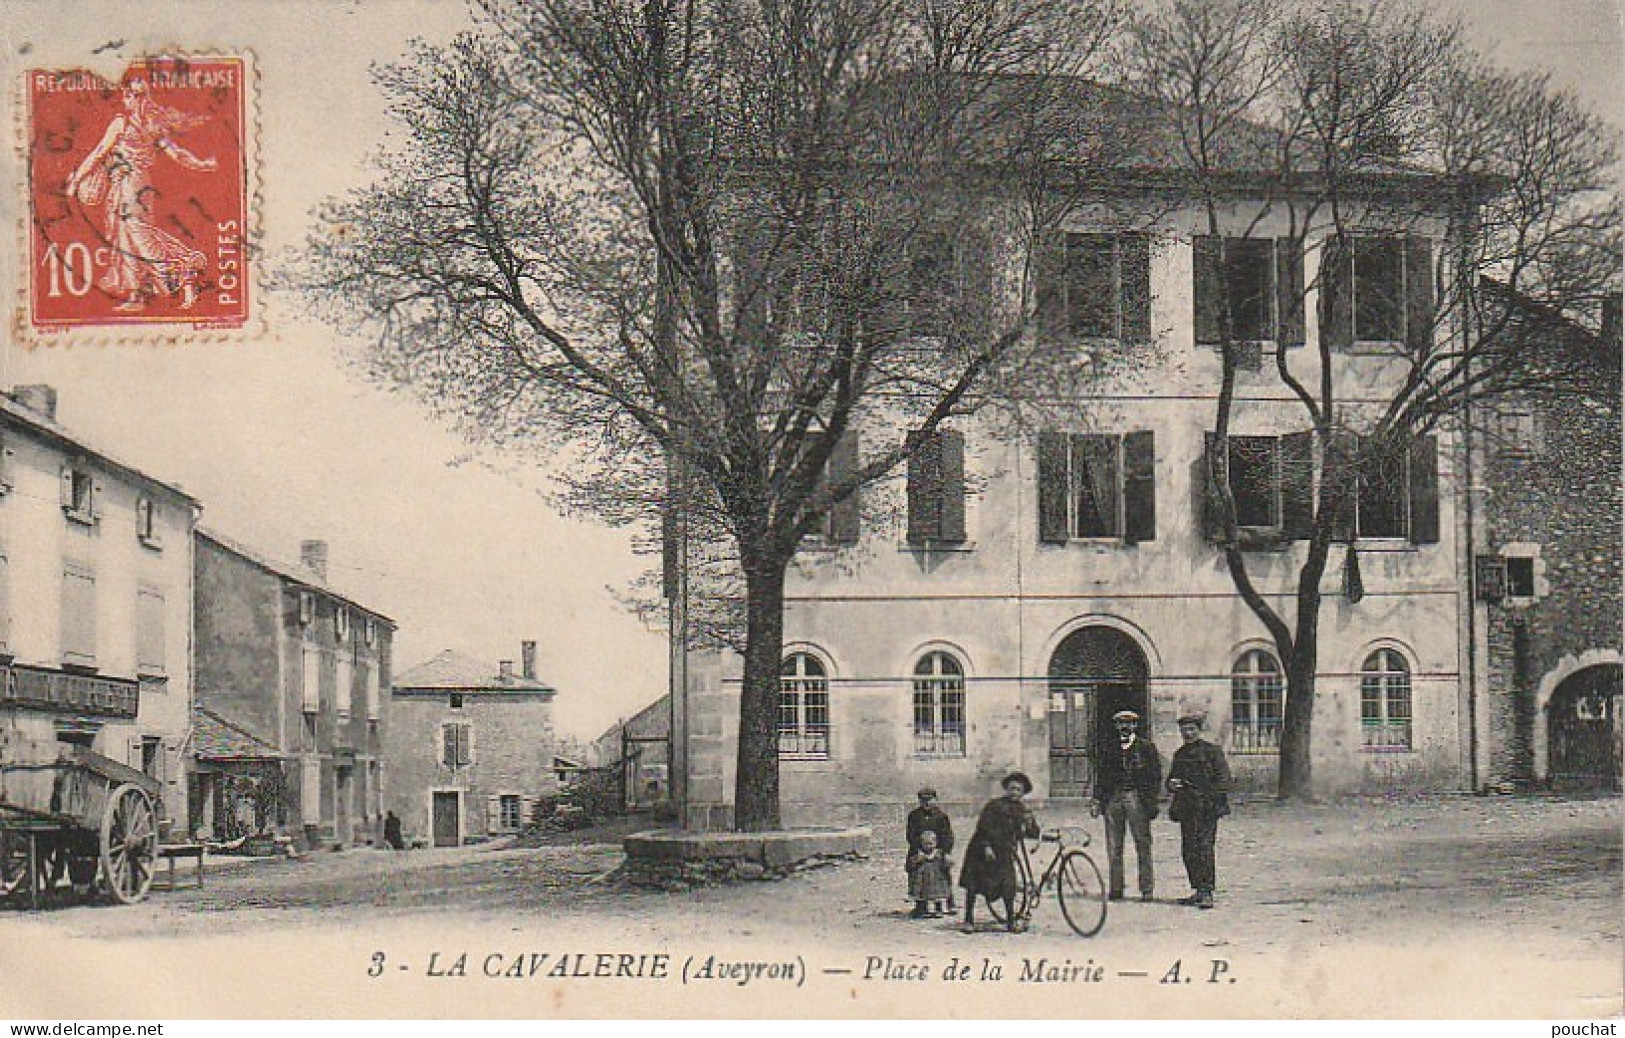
<point x="170" y="852"/>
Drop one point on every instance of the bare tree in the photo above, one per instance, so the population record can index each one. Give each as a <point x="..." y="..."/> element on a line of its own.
<point x="696" y="243"/>
<point x="1369" y="134"/>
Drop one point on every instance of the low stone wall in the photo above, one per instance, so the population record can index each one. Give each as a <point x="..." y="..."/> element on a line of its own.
<point x="675" y="859"/>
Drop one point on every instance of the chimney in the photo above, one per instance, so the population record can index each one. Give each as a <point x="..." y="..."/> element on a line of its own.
<point x="527" y="656"/>
<point x="505" y="672"/>
<point x="40" y="399"/>
<point x="314" y="555"/>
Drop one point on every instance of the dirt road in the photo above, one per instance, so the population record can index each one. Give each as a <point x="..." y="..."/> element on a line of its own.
<point x="1449" y="906"/>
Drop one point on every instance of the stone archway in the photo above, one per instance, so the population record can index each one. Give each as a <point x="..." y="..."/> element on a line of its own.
<point x="1094" y="672"/>
<point x="1583" y="729"/>
<point x="1565" y="668"/>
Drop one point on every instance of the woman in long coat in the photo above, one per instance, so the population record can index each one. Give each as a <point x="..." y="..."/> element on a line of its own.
<point x="990" y="857"/>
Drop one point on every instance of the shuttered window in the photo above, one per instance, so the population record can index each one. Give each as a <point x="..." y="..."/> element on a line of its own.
<point x="150" y="634"/>
<point x="373" y="698"/>
<point x="1095" y="486"/>
<point x="456" y="744"/>
<point x="1255" y="283"/>
<point x="1095" y="286"/>
<point x="1378" y="289"/>
<point x="936" y="490"/>
<point x="344" y="685"/>
<point x="840" y="524"/>
<point x="1397" y="494"/>
<point x="78" y="615"/>
<point x="310" y="687"/>
<point x="1271" y="483"/>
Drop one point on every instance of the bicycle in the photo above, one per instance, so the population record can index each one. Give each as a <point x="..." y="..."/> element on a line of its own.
<point x="1079" y="886"/>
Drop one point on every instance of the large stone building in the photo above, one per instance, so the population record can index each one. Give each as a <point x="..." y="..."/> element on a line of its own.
<point x="470" y="747"/>
<point x="992" y="606"/>
<point x="290" y="674"/>
<point x="95" y="602"/>
<point x="1547" y="528"/>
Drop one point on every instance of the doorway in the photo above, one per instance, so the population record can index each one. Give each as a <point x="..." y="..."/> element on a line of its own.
<point x="448" y="826"/>
<point x="1094" y="672"/>
<point x="1583" y="733"/>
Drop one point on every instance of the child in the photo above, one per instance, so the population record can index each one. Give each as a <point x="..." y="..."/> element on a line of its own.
<point x="928" y="878"/>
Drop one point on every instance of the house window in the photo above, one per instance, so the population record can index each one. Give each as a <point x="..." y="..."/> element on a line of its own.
<point x="1397" y="495"/>
<point x="146" y="522"/>
<point x="149" y="633"/>
<point x="1255" y="703"/>
<point x="939" y="706"/>
<point x="79" y="494"/>
<point x="307" y="608"/>
<point x="937" y="266"/>
<point x="456" y="744"/>
<point x="509" y="813"/>
<point x="936" y="490"/>
<point x="311" y="680"/>
<point x="1520" y="576"/>
<point x="1096" y="486"/>
<point x="78" y="615"/>
<point x="455" y="700"/>
<point x="1385" y="701"/>
<point x="344" y="686"/>
<point x="803" y="708"/>
<point x="1383" y="506"/>
<point x="839" y="524"/>
<point x="6" y="457"/>
<point x="1258" y="281"/>
<point x="1255" y="480"/>
<point x="1378" y="289"/>
<point x="341" y="623"/>
<point x="369" y="632"/>
<point x="373" y="699"/>
<point x="1096" y="286"/>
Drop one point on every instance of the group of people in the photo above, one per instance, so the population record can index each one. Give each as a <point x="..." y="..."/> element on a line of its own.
<point x="1128" y="793"/>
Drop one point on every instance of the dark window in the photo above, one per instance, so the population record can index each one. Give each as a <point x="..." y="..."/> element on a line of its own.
<point x="936" y="490"/>
<point x="1096" y="286"/>
<point x="510" y="816"/>
<point x="839" y="524"/>
<point x="1520" y="576"/>
<point x="1379" y="289"/>
<point x="1383" y="503"/>
<point x="457" y="744"/>
<point x="1255" y="480"/>
<point x="456" y="700"/>
<point x="939" y="706"/>
<point x="1096" y="486"/>
<point x="78" y="494"/>
<point x="803" y="708"/>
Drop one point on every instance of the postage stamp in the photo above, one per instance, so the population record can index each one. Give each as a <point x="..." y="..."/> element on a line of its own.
<point x="138" y="194"/>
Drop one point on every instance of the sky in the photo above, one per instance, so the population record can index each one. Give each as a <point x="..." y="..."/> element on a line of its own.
<point x="282" y="440"/>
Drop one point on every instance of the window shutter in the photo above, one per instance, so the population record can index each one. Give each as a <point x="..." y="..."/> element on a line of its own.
<point x="5" y="606"/>
<point x="1289" y="292"/>
<point x="1419" y="314"/>
<point x="493" y="815"/>
<point x="1052" y="488"/>
<point x="925" y="491"/>
<point x="1207" y="503"/>
<point x="468" y="744"/>
<point x="67" y="487"/>
<point x="448" y="745"/>
<point x="1340" y="484"/>
<point x="952" y="461"/>
<point x="1298" y="485"/>
<point x="96" y="499"/>
<point x="1336" y="293"/>
<point x="1139" y="487"/>
<point x="1424" y="476"/>
<point x="843" y="515"/>
<point x="310" y="690"/>
<point x="1050" y="271"/>
<point x="7" y="458"/>
<point x="1134" y="286"/>
<point x="1208" y="286"/>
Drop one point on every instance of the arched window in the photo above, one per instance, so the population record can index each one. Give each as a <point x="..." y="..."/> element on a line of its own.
<point x="1255" y="703"/>
<point x="939" y="706"/>
<point x="1385" y="701"/>
<point x="803" y="708"/>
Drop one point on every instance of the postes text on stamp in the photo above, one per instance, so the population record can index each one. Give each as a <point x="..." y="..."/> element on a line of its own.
<point x="138" y="195"/>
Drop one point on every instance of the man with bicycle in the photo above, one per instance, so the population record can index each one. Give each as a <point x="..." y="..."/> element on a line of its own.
<point x="1126" y="791"/>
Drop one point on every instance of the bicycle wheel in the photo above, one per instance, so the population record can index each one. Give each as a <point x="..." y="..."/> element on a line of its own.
<point x="1082" y="893"/>
<point x="1023" y="901"/>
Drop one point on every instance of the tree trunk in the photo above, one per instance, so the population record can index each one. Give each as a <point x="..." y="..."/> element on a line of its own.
<point x="1296" y="781"/>
<point x="756" y="782"/>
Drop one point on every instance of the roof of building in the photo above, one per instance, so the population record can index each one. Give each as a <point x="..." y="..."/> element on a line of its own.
<point x="216" y="738"/>
<point x="49" y="429"/>
<point x="454" y="671"/>
<point x="293" y="572"/>
<point x="659" y="710"/>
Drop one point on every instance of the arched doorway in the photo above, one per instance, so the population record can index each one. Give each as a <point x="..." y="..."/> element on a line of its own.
<point x="1583" y="729"/>
<point x="1094" y="672"/>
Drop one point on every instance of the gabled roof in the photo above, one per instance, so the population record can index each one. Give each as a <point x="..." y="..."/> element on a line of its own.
<point x="215" y="738"/>
<point x="50" y="430"/>
<point x="294" y="573"/>
<point x="454" y="671"/>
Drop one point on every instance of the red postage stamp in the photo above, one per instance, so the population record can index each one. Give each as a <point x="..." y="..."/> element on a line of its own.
<point x="138" y="194"/>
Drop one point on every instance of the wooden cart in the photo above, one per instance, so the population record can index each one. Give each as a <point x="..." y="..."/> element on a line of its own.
<point x="75" y="817"/>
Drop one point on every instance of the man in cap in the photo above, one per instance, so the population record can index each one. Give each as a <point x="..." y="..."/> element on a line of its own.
<point x="1129" y="783"/>
<point x="928" y="817"/>
<point x="1199" y="778"/>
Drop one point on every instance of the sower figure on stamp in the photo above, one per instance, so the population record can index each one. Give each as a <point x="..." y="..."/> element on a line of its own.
<point x="1126" y="791"/>
<point x="1199" y="778"/>
<point x="990" y="857"/>
<point x="929" y="818"/>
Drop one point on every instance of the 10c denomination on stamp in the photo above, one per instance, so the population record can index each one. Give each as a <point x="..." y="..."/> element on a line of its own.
<point x="139" y="195"/>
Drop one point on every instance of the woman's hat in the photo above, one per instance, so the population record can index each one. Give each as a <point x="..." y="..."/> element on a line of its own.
<point x="1018" y="777"/>
<point x="1126" y="715"/>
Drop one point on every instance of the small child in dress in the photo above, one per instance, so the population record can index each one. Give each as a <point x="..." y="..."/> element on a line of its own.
<point x="928" y="877"/>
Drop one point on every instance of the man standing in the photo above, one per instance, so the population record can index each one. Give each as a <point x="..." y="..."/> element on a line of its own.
<point x="1199" y="778"/>
<point x="1127" y="790"/>
<point x="928" y="817"/>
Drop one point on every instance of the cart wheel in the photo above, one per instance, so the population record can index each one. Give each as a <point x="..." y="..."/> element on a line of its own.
<point x="129" y="844"/>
